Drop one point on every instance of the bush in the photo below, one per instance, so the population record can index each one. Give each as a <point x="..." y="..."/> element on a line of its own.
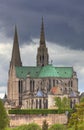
<point x="31" y="126"/>
<point x="81" y="126"/>
<point x="8" y="128"/>
<point x="57" y="127"/>
<point x="37" y="111"/>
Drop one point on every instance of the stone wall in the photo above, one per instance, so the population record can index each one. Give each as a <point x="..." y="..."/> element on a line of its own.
<point x="17" y="120"/>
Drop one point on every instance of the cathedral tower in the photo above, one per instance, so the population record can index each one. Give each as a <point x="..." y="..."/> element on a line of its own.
<point x="42" y="54"/>
<point x="12" y="91"/>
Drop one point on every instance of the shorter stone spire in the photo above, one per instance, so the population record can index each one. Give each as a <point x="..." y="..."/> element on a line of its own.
<point x="15" y="59"/>
<point x="42" y="35"/>
<point x="42" y="53"/>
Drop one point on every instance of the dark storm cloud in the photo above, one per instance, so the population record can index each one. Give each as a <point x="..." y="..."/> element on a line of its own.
<point x="64" y="20"/>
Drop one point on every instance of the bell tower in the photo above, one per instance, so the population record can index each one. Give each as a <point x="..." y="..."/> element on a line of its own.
<point x="42" y="52"/>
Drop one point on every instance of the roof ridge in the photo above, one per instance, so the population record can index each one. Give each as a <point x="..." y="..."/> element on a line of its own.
<point x="63" y="67"/>
<point x="28" y="66"/>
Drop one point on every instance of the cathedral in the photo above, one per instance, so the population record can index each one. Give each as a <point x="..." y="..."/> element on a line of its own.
<point x="34" y="87"/>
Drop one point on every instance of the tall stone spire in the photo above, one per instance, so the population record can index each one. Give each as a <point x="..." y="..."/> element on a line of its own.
<point x="42" y="53"/>
<point x="15" y="59"/>
<point x="42" y="35"/>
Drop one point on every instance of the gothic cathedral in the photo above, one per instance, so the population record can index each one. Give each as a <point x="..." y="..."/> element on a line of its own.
<point x="36" y="86"/>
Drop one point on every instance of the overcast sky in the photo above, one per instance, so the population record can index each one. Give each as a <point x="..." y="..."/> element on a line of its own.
<point x="64" y="32"/>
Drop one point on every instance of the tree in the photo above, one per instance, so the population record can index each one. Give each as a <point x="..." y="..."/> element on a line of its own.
<point x="63" y="103"/>
<point x="74" y="121"/>
<point x="81" y="127"/>
<point x="4" y="120"/>
<point x="77" y="117"/>
<point x="58" y="102"/>
<point x="45" y="125"/>
<point x="66" y="103"/>
<point x="82" y="99"/>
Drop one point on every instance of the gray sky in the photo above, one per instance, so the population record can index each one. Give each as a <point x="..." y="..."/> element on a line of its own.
<point x="64" y="32"/>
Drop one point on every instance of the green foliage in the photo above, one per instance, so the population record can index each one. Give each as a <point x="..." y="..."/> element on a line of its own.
<point x="77" y="117"/>
<point x="63" y="103"/>
<point x="82" y="100"/>
<point x="8" y="128"/>
<point x="31" y="126"/>
<point x="57" y="127"/>
<point x="58" y="102"/>
<point x="81" y="126"/>
<point x="74" y="121"/>
<point x="66" y="103"/>
<point x="36" y="111"/>
<point x="72" y="128"/>
<point x="4" y="121"/>
<point x="45" y="125"/>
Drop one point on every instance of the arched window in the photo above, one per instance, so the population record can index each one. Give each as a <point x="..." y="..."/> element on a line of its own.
<point x="65" y="90"/>
<point x="20" y="85"/>
<point x="40" y="105"/>
<point x="43" y="58"/>
<point x="30" y="85"/>
<point x="36" y="103"/>
<point x="57" y="82"/>
<point x="71" y="83"/>
<point x="32" y="102"/>
<point x="49" y="84"/>
<point x="33" y="85"/>
<point x="46" y="104"/>
<point x="53" y="82"/>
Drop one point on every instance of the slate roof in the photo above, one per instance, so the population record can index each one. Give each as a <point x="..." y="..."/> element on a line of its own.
<point x="43" y="72"/>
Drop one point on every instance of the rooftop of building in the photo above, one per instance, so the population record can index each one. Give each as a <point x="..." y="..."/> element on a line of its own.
<point x="44" y="72"/>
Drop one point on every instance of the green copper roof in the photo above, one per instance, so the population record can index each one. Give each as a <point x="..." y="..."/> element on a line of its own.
<point x="64" y="72"/>
<point x="46" y="71"/>
<point x="50" y="71"/>
<point x="23" y="72"/>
